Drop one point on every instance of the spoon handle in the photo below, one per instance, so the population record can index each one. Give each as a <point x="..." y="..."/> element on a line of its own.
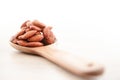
<point x="71" y="63"/>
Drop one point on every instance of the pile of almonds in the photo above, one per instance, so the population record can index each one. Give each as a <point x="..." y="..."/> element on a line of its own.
<point x="34" y="34"/>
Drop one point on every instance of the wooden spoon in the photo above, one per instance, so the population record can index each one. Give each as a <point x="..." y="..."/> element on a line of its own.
<point x="69" y="62"/>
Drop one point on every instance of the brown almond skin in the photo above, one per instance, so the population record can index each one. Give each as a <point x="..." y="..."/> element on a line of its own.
<point x="49" y="37"/>
<point x="34" y="34"/>
<point x="36" y="38"/>
<point x="34" y="44"/>
<point x="35" y="28"/>
<point x="27" y="34"/>
<point x="21" y="42"/>
<point x="14" y="40"/>
<point x="38" y="24"/>
<point x="29" y="44"/>
<point x="24" y="24"/>
<point x="20" y="33"/>
<point x="39" y="33"/>
<point x="28" y="24"/>
<point x="27" y="29"/>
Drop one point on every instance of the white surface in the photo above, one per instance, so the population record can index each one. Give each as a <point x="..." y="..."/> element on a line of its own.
<point x="88" y="28"/>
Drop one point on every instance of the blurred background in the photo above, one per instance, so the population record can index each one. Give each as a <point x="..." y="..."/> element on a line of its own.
<point x="88" y="28"/>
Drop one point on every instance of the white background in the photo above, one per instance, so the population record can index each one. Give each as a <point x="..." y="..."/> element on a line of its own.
<point x="90" y="28"/>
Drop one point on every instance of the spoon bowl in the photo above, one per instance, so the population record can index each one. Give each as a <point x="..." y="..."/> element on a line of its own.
<point x="27" y="49"/>
<point x="73" y="64"/>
